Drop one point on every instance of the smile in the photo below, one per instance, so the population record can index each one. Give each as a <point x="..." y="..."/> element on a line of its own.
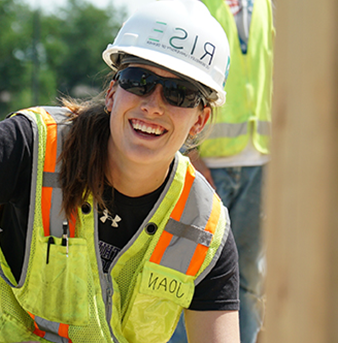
<point x="148" y="129"/>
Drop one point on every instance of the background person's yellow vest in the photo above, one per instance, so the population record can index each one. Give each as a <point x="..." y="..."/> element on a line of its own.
<point x="249" y="84"/>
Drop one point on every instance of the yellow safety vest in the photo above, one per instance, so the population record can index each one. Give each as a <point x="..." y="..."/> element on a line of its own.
<point x="249" y="85"/>
<point x="63" y="294"/>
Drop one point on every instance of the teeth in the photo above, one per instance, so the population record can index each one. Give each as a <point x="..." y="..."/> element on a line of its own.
<point x="147" y="129"/>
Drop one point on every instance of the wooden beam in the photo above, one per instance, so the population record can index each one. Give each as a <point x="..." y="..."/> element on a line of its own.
<point x="301" y="229"/>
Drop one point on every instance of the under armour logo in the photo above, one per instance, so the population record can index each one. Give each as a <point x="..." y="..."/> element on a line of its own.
<point x="113" y="220"/>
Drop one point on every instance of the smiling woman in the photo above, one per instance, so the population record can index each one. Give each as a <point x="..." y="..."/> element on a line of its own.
<point x="114" y="231"/>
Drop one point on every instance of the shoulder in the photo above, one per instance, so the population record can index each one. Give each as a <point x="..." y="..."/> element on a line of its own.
<point x="15" y="130"/>
<point x="16" y="151"/>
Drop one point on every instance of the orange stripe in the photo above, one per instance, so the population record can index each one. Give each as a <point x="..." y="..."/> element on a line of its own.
<point x="46" y="199"/>
<point x="189" y="179"/>
<point x="161" y="246"/>
<point x="215" y="214"/>
<point x="166" y="237"/>
<point x="37" y="331"/>
<point x="63" y="330"/>
<point x="49" y="166"/>
<point x="51" y="144"/>
<point x="72" y="223"/>
<point x="201" y="250"/>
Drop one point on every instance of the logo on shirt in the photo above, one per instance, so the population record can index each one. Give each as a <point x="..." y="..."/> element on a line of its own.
<point x="114" y="221"/>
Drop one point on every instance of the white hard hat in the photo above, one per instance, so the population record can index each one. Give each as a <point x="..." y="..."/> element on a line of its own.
<point x="180" y="35"/>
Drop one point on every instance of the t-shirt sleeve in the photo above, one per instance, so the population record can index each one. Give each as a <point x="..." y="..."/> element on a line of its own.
<point x="219" y="290"/>
<point x="16" y="142"/>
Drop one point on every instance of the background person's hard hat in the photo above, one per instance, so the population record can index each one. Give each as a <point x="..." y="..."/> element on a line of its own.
<point x="180" y="35"/>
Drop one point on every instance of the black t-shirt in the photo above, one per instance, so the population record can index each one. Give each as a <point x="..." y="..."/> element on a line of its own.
<point x="217" y="291"/>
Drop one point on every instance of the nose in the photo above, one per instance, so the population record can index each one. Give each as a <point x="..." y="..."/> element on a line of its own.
<point x="154" y="103"/>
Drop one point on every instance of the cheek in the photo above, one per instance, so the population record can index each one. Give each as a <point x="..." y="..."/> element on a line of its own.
<point x="186" y="119"/>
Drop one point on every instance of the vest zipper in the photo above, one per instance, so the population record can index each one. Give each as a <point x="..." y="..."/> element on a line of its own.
<point x="109" y="302"/>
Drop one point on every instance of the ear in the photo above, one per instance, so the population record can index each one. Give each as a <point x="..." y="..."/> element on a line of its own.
<point x="109" y="96"/>
<point x="202" y="119"/>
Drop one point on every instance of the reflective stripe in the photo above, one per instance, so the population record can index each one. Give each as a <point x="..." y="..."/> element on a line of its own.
<point x="201" y="250"/>
<point x="55" y="338"/>
<point x="188" y="182"/>
<point x="63" y="330"/>
<point x="190" y="232"/>
<point x="46" y="325"/>
<point x="38" y="332"/>
<point x="51" y="331"/>
<point x="220" y="130"/>
<point x="51" y="180"/>
<point x="166" y="237"/>
<point x="54" y="120"/>
<point x="264" y="128"/>
<point x="184" y="243"/>
<point x="49" y="166"/>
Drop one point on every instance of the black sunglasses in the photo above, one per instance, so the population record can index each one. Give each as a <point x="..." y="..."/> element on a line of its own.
<point x="177" y="92"/>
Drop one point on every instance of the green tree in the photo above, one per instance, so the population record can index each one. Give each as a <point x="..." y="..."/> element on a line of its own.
<point x="43" y="56"/>
<point x="15" y="34"/>
<point x="74" y="51"/>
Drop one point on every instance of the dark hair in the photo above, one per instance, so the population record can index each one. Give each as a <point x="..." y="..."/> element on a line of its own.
<point x="84" y="156"/>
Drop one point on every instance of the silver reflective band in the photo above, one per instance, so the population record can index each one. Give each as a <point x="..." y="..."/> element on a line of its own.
<point x="190" y="232"/>
<point x="51" y="329"/>
<point x="51" y="180"/>
<point x="220" y="130"/>
<point x="264" y="128"/>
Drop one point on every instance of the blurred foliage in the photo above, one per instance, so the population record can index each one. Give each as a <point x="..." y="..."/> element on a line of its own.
<point x="44" y="56"/>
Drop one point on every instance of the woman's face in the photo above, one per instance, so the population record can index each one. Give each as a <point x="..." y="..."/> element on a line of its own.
<point x="147" y="129"/>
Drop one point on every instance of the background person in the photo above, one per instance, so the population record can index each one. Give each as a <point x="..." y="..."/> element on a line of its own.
<point x="141" y="234"/>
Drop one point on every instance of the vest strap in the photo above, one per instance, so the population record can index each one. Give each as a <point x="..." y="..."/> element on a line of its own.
<point x="51" y="331"/>
<point x="51" y="180"/>
<point x="183" y="246"/>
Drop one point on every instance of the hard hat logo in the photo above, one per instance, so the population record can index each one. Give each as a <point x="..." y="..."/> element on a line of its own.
<point x="171" y="34"/>
<point x="227" y="71"/>
<point x="180" y="44"/>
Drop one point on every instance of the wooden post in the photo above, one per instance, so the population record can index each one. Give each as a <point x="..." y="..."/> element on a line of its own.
<point x="301" y="229"/>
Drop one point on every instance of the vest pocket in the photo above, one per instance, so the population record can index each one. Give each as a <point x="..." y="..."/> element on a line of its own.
<point x="160" y="295"/>
<point x="163" y="282"/>
<point x="58" y="290"/>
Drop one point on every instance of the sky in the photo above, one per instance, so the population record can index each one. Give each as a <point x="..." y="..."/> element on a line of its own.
<point x="50" y="5"/>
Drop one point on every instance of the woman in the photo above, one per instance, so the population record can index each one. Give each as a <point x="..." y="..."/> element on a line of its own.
<point x="107" y="231"/>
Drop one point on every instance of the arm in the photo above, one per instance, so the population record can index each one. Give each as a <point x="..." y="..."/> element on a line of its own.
<point x="213" y="313"/>
<point x="16" y="148"/>
<point x="200" y="166"/>
<point x="212" y="326"/>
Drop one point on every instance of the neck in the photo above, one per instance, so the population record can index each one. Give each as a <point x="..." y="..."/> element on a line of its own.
<point x="134" y="180"/>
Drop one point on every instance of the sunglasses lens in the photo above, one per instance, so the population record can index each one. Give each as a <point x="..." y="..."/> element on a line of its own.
<point x="141" y="81"/>
<point x="136" y="81"/>
<point x="180" y="93"/>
